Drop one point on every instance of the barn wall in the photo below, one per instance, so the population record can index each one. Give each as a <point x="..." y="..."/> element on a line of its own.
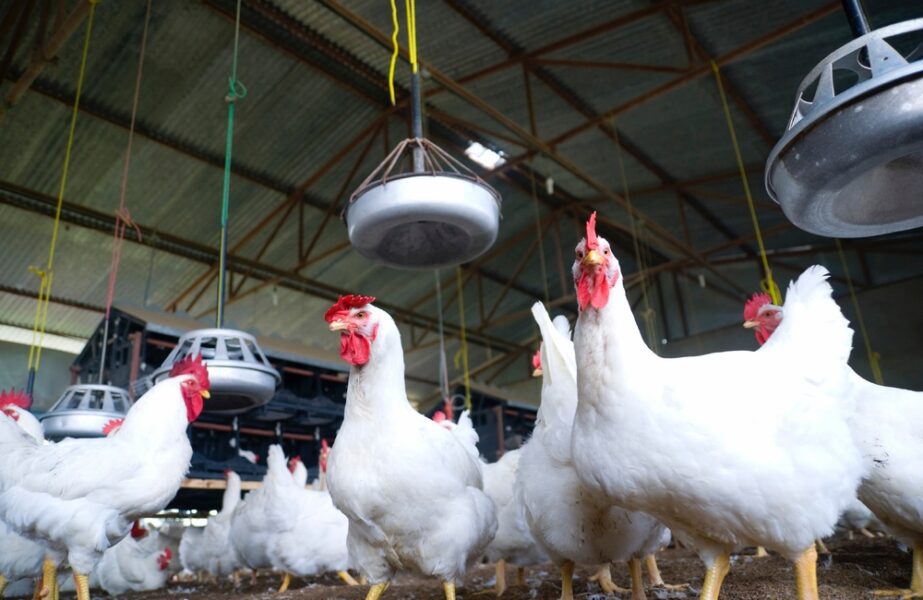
<point x="53" y="377"/>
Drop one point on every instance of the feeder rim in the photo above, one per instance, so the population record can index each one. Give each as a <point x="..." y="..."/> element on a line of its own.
<point x="448" y="166"/>
<point x="219" y="363"/>
<point x="88" y="412"/>
<point x="891" y="77"/>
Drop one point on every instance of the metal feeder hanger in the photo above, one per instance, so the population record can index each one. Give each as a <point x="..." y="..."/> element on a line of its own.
<point x="240" y="375"/>
<point x="851" y="161"/>
<point x="437" y="215"/>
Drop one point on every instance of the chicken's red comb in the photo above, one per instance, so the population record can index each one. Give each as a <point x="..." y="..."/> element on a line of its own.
<point x="138" y="532"/>
<point x="537" y="359"/>
<point x="112" y="425"/>
<point x="592" y="243"/>
<point x="167" y="553"/>
<point x="324" y="446"/>
<point x="753" y="305"/>
<point x="192" y="365"/>
<point x="345" y="303"/>
<point x="15" y="398"/>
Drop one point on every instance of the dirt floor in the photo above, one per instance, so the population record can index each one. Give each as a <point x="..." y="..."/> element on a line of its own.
<point x="852" y="570"/>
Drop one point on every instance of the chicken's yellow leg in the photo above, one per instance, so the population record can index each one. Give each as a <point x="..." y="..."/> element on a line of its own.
<point x="83" y="586"/>
<point x="567" y="580"/>
<point x="714" y="577"/>
<point x="653" y="571"/>
<point x="49" y="578"/>
<point x="604" y="577"/>
<point x="3" y="583"/>
<point x="500" y="577"/>
<point x="637" y="585"/>
<point x="916" y="581"/>
<point x="806" y="574"/>
<point x="449" y="588"/>
<point x="345" y="576"/>
<point x="521" y="576"/>
<point x="822" y="547"/>
<point x="760" y="552"/>
<point x="286" y="581"/>
<point x="376" y="591"/>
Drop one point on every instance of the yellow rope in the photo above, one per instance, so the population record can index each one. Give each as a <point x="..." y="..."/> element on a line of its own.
<point x="768" y="284"/>
<point x="648" y="312"/>
<point x="394" y="54"/>
<point x="464" y="340"/>
<point x="412" y="32"/>
<point x="46" y="275"/>
<point x="872" y="355"/>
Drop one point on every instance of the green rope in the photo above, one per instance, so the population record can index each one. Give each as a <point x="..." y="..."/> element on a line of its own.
<point x="236" y="90"/>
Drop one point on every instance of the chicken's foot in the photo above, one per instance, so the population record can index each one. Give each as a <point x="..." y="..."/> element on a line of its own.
<point x="603" y="576"/>
<point x="500" y="577"/>
<point x="376" y="591"/>
<point x="449" y="588"/>
<point x="916" y="581"/>
<point x="806" y="574"/>
<point x="286" y="581"/>
<point x="49" y="578"/>
<point x="637" y="580"/>
<point x="714" y="577"/>
<point x="655" y="580"/>
<point x="345" y="576"/>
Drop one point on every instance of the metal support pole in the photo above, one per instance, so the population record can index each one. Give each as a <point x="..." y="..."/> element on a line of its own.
<point x="416" y="115"/>
<point x="858" y="20"/>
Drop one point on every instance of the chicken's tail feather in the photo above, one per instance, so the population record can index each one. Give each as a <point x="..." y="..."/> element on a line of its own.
<point x="557" y="348"/>
<point x="466" y="434"/>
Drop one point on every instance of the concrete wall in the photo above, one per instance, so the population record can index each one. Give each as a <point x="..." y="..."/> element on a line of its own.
<point x="893" y="317"/>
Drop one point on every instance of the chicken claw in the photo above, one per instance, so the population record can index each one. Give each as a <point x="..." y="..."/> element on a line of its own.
<point x="603" y="576"/>
<point x="349" y="579"/>
<point x="656" y="581"/>
<point x="916" y="583"/>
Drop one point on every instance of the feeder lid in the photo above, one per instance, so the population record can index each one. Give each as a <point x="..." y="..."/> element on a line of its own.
<point x="440" y="214"/>
<point x="851" y="161"/>
<point x="83" y="410"/>
<point x="239" y="374"/>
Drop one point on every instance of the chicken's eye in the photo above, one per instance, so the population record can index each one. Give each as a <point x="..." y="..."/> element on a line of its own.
<point x="606" y="251"/>
<point x="580" y="254"/>
<point x="360" y="314"/>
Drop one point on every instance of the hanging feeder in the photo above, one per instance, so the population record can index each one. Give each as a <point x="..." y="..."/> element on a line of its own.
<point x="240" y="374"/>
<point x="437" y="215"/>
<point x="83" y="411"/>
<point x="851" y="161"/>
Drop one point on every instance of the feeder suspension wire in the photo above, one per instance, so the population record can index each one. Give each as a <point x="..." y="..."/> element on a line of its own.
<point x="46" y="275"/>
<point x="538" y="232"/>
<point x="236" y="90"/>
<point x="122" y="216"/>
<point x="648" y="312"/>
<point x="443" y="367"/>
<point x="464" y="339"/>
<point x="873" y="356"/>
<point x="768" y="284"/>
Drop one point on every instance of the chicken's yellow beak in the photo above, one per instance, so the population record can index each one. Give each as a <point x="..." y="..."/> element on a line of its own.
<point x="338" y="325"/>
<point x="751" y="324"/>
<point x="205" y="394"/>
<point x="593" y="259"/>
<point x="537" y="372"/>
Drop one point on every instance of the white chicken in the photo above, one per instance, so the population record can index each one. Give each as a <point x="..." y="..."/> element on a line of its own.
<point x="19" y="557"/>
<point x="311" y="532"/>
<point x="138" y="563"/>
<point x="728" y="449"/>
<point x="411" y="489"/>
<point x="80" y="496"/>
<point x="888" y="425"/>
<point x="219" y="557"/>
<point x="570" y="521"/>
<point x="251" y="531"/>
<point x="513" y="542"/>
<point x="192" y="553"/>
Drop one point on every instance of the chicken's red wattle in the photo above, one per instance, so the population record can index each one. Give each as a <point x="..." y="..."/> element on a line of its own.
<point x="354" y="348"/>
<point x="593" y="289"/>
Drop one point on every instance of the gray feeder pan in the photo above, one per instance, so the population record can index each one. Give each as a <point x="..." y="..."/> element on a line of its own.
<point x="83" y="410"/>
<point x="240" y="375"/>
<point x="851" y="162"/>
<point x="424" y="220"/>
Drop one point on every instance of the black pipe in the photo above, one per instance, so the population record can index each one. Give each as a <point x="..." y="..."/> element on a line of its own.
<point x="416" y="115"/>
<point x="858" y="20"/>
